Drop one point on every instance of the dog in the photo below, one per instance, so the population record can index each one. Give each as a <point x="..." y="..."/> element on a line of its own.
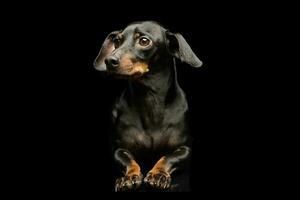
<point x="150" y="117"/>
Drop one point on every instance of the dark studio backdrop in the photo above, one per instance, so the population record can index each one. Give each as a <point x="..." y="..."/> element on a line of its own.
<point x="70" y="101"/>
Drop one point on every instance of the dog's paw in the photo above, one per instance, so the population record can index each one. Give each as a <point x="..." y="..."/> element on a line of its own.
<point x="158" y="180"/>
<point x="128" y="183"/>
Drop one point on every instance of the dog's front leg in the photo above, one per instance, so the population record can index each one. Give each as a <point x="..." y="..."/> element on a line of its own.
<point x="160" y="175"/>
<point x="132" y="178"/>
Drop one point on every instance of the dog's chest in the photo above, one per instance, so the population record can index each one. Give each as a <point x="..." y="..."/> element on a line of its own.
<point x="154" y="139"/>
<point x="132" y="132"/>
<point x="150" y="123"/>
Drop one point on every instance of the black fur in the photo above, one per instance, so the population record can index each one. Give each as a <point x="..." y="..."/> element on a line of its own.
<point x="149" y="118"/>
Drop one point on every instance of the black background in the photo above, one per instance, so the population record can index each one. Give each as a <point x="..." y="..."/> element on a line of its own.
<point x="63" y="104"/>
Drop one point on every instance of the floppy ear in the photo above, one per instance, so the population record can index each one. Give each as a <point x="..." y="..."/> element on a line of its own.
<point x="179" y="48"/>
<point x="107" y="48"/>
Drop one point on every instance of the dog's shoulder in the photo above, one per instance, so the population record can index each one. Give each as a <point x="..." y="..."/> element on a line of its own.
<point x="121" y="106"/>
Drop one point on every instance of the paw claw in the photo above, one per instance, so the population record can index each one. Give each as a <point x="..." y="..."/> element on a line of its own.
<point x="127" y="183"/>
<point x="160" y="180"/>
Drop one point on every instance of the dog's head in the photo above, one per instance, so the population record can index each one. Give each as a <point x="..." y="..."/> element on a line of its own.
<point x="131" y="52"/>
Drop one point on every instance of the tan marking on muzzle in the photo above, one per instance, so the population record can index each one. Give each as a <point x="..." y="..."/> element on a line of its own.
<point x="126" y="62"/>
<point x="140" y="67"/>
<point x="130" y="67"/>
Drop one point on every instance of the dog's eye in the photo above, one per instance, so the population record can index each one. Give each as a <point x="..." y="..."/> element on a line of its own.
<point x="143" y="41"/>
<point x="117" y="42"/>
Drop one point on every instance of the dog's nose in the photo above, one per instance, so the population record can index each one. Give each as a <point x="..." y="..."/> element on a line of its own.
<point x="112" y="62"/>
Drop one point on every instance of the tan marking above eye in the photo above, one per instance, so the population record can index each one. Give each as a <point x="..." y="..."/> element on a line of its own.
<point x="136" y="35"/>
<point x="117" y="42"/>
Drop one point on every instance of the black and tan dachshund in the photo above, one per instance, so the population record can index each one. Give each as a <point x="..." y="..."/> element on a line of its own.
<point x="149" y="118"/>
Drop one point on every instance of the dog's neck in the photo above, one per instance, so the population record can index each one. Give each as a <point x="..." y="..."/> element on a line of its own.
<point x="159" y="81"/>
<point x="151" y="93"/>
